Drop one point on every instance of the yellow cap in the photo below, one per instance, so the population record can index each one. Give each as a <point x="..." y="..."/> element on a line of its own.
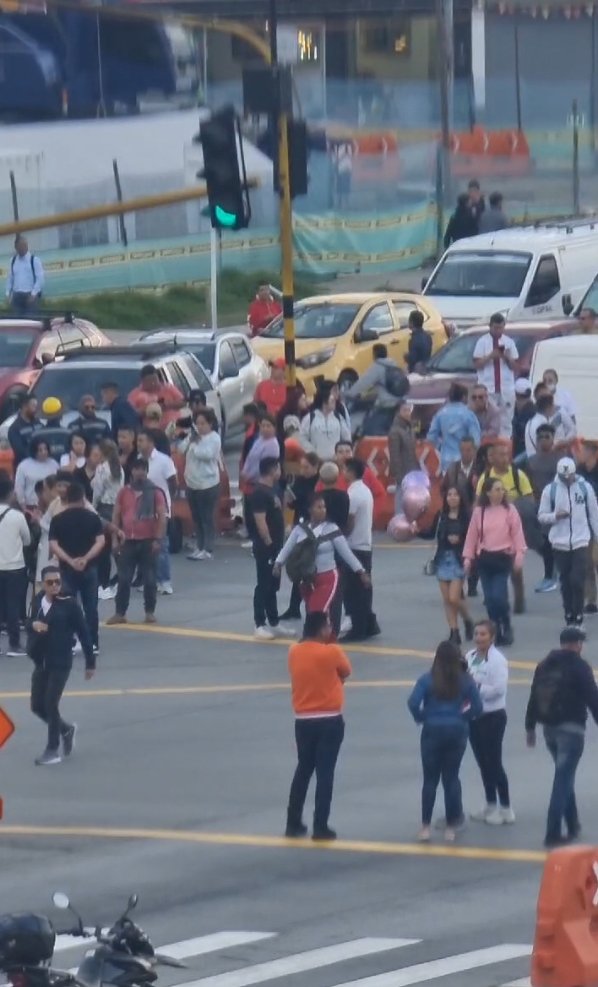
<point x="51" y="407"/>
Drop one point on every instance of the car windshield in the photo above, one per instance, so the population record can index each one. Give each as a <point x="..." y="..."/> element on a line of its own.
<point x="316" y="321"/>
<point x="14" y="347"/>
<point x="590" y="299"/>
<point x="456" y="356"/>
<point x="480" y="274"/>
<point x="70" y="382"/>
<point x="205" y="352"/>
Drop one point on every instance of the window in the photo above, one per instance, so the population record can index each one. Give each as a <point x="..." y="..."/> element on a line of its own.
<point x="227" y="363"/>
<point x="379" y="319"/>
<point x="321" y="321"/>
<point x="242" y="352"/>
<point x="390" y="38"/>
<point x="482" y="274"/>
<point x="177" y="377"/>
<point x="70" y="338"/>
<point x="404" y="309"/>
<point x="14" y="347"/>
<point x="546" y="282"/>
<point x="195" y="373"/>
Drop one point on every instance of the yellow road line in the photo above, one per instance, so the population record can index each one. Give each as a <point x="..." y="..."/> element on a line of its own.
<point x="276" y="842"/>
<point x="206" y="690"/>
<point x="234" y="638"/>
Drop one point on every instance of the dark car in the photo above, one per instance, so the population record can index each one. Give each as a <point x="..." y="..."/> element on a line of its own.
<point x="454" y="362"/>
<point x="27" y="345"/>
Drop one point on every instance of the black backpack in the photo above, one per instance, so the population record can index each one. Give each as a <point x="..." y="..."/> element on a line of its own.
<point x="301" y="563"/>
<point x="548" y="691"/>
<point x="396" y="382"/>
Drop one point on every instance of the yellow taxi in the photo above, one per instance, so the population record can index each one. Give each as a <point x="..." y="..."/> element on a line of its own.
<point x="335" y="334"/>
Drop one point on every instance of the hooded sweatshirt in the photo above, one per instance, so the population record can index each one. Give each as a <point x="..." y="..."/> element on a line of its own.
<point x="574" y="691"/>
<point x="579" y="501"/>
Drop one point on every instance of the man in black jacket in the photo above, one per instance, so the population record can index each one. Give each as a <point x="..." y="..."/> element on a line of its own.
<point x="122" y="414"/>
<point x="563" y="690"/>
<point x="55" y="620"/>
<point x="23" y="427"/>
<point x="91" y="427"/>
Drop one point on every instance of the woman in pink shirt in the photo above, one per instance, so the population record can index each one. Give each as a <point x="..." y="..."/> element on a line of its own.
<point x="495" y="541"/>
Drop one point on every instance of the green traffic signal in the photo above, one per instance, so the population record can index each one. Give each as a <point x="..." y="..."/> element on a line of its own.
<point x="224" y="218"/>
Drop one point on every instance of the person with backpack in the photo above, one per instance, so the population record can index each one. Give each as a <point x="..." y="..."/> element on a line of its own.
<point x="383" y="385"/>
<point x="452" y="424"/>
<point x="496" y="543"/>
<point x="25" y="280"/>
<point x="563" y="690"/>
<point x="569" y="509"/>
<point x="323" y="426"/>
<point x="309" y="555"/>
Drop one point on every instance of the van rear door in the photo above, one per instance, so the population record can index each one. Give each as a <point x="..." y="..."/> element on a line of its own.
<point x="544" y="292"/>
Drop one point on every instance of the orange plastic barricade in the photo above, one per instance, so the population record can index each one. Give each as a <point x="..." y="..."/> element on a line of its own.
<point x="180" y="504"/>
<point x="373" y="450"/>
<point x="7" y="461"/>
<point x="565" y="950"/>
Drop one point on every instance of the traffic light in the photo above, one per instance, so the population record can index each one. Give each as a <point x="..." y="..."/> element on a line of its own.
<point x="224" y="171"/>
<point x="298" y="155"/>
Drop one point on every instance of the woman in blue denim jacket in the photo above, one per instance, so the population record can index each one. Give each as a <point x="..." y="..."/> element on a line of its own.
<point x="444" y="700"/>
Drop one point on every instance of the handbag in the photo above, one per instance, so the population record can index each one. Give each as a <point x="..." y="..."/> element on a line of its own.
<point x="495" y="561"/>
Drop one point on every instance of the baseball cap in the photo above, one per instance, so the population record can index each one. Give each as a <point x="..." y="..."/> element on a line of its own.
<point x="51" y="406"/>
<point x="523" y="386"/>
<point x="572" y="635"/>
<point x="278" y="362"/>
<point x="565" y="467"/>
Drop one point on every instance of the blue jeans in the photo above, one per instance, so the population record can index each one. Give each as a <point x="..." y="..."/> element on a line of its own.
<point x="163" y="562"/>
<point x="442" y="750"/>
<point x="566" y="748"/>
<point x="495" y="586"/>
<point x="85" y="585"/>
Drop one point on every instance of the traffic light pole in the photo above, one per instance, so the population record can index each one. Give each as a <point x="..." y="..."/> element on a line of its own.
<point x="286" y="213"/>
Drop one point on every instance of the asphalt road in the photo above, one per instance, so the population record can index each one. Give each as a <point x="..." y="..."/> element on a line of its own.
<point x="178" y="789"/>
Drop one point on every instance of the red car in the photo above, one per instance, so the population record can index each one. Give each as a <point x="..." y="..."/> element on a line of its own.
<point x="26" y="345"/>
<point x="454" y="362"/>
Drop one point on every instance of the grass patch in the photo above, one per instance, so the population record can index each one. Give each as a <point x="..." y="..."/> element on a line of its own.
<point x="178" y="305"/>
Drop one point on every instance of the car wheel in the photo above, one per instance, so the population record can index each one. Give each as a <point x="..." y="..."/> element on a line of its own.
<point x="175" y="535"/>
<point x="345" y="381"/>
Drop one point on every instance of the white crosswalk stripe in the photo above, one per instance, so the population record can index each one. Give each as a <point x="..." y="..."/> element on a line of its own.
<point x="292" y="964"/>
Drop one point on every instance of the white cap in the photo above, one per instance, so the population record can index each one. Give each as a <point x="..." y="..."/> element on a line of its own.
<point x="523" y="386"/>
<point x="566" y="467"/>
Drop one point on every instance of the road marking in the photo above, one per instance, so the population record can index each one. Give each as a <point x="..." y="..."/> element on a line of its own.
<point x="459" y="963"/>
<point x="186" y="948"/>
<point x="524" y="982"/>
<point x="199" y="690"/>
<point x="234" y="638"/>
<point x="313" y="959"/>
<point x="276" y="842"/>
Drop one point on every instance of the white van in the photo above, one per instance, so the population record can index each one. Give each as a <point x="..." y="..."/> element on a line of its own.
<point x="575" y="359"/>
<point x="531" y="272"/>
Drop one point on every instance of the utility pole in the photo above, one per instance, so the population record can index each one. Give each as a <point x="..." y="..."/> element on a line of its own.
<point x="280" y="128"/>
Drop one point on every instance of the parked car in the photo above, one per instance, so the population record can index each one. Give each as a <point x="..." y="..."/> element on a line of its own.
<point x="454" y="362"/>
<point x="26" y="345"/>
<point x="335" y="334"/>
<point x="228" y="360"/>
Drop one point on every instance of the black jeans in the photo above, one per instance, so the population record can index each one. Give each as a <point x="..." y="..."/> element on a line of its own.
<point x="84" y="584"/>
<point x="548" y="558"/>
<point x="47" y="686"/>
<point x="265" y="606"/>
<point x="318" y="745"/>
<point x="566" y="748"/>
<point x="202" y="504"/>
<point x="13" y="587"/>
<point x="486" y="736"/>
<point x="442" y="749"/>
<point x="136" y="554"/>
<point x="572" y="572"/>
<point x="358" y="598"/>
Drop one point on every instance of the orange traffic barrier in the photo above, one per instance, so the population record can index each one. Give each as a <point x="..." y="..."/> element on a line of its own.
<point x="7" y="461"/>
<point x="373" y="450"/>
<point x="565" y="952"/>
<point x="180" y="504"/>
<point x="488" y="152"/>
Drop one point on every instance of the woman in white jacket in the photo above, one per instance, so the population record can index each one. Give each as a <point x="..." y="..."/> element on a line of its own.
<point x="323" y="426"/>
<point x="489" y="669"/>
<point x="203" y="450"/>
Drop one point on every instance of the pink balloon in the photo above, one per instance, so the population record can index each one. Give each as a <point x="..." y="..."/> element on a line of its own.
<point x="399" y="528"/>
<point x="417" y="478"/>
<point x="416" y="501"/>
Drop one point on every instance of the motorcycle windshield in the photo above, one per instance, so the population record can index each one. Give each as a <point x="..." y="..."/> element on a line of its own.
<point x="90" y="971"/>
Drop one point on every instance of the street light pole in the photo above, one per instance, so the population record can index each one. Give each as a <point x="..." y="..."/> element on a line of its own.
<point x="280" y="128"/>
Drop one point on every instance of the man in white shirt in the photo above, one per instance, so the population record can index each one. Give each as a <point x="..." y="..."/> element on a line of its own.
<point x="548" y="414"/>
<point x="25" y="280"/>
<point x="14" y="538"/>
<point x="358" y="597"/>
<point x="495" y="357"/>
<point x="161" y="471"/>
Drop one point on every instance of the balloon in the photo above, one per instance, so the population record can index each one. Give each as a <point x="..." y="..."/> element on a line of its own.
<point x="399" y="528"/>
<point x="416" y="501"/>
<point x="417" y="478"/>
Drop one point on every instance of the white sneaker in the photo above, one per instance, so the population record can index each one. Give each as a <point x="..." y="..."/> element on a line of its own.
<point x="77" y="647"/>
<point x="246" y="544"/>
<point x="264" y="634"/>
<point x="346" y="624"/>
<point x="165" y="589"/>
<point x="283" y="630"/>
<point x="107" y="594"/>
<point x="208" y="556"/>
<point x="508" y="816"/>
<point x="195" y="555"/>
<point x="495" y="818"/>
<point x="482" y="814"/>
